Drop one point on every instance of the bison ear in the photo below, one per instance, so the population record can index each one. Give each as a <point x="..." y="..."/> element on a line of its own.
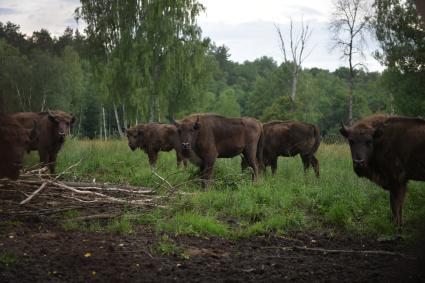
<point x="197" y="124"/>
<point x="174" y="122"/>
<point x="73" y="120"/>
<point x="52" y="118"/>
<point x="343" y="130"/>
<point x="124" y="130"/>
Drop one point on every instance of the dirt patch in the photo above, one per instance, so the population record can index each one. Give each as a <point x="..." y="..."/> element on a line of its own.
<point x="39" y="250"/>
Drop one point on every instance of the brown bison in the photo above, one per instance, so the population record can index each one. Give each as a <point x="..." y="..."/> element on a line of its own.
<point x="153" y="138"/>
<point x="209" y="136"/>
<point x="52" y="127"/>
<point x="289" y="138"/>
<point x="14" y="140"/>
<point x="390" y="154"/>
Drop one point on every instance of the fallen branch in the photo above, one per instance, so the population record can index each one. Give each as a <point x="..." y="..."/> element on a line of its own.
<point x="46" y="182"/>
<point x="376" y="252"/>
<point x="34" y="193"/>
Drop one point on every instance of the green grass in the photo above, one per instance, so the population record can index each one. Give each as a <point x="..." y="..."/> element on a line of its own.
<point x="234" y="207"/>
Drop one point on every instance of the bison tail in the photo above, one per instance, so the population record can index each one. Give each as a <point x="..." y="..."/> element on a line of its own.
<point x="317" y="138"/>
<point x="260" y="151"/>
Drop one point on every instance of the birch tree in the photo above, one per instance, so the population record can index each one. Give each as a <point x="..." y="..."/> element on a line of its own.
<point x="293" y="48"/>
<point x="348" y="27"/>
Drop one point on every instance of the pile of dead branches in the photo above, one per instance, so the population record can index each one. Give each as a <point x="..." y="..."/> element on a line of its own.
<point x="35" y="182"/>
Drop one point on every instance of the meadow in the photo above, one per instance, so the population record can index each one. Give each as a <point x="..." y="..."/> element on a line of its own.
<point x="233" y="207"/>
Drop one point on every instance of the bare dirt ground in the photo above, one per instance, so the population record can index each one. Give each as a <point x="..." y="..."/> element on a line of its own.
<point x="44" y="252"/>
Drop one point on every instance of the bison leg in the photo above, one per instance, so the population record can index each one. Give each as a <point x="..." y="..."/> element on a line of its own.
<point x="44" y="157"/>
<point x="251" y="158"/>
<point x="153" y="157"/>
<point x="179" y="158"/>
<point x="315" y="163"/>
<point x="244" y="164"/>
<point x="397" y="196"/>
<point x="273" y="164"/>
<point x="52" y="162"/>
<point x="207" y="172"/>
<point x="306" y="163"/>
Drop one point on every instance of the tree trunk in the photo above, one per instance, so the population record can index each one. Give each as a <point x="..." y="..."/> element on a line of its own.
<point x="105" y="133"/>
<point x="117" y="119"/>
<point x="151" y="107"/>
<point x="351" y="84"/>
<point x="295" y="74"/>
<point x="124" y="120"/>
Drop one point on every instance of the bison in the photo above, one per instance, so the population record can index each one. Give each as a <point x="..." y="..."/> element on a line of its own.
<point x="153" y="138"/>
<point x="209" y="136"/>
<point x="390" y="154"/>
<point x="14" y="141"/>
<point x="53" y="127"/>
<point x="289" y="138"/>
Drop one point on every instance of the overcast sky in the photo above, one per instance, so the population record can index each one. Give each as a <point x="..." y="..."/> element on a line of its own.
<point x="245" y="26"/>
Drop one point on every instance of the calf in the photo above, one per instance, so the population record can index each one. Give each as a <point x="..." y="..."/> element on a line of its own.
<point x="290" y="138"/>
<point x="390" y="154"/>
<point x="209" y="136"/>
<point x="153" y="138"/>
<point x="53" y="127"/>
<point x="14" y="140"/>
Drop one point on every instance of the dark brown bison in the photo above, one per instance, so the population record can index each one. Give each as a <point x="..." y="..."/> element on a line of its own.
<point x="209" y="136"/>
<point x="390" y="154"/>
<point x="53" y="127"/>
<point x="289" y="138"/>
<point x="14" y="141"/>
<point x="153" y="138"/>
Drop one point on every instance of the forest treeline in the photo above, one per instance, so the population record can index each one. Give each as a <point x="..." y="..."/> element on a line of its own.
<point x="150" y="63"/>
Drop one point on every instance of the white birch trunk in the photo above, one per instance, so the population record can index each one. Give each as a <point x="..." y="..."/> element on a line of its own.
<point x="117" y="119"/>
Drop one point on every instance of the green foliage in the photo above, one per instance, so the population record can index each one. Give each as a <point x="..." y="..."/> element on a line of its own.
<point x="121" y="225"/>
<point x="7" y="260"/>
<point x="401" y="35"/>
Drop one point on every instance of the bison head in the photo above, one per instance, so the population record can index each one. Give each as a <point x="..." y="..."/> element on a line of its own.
<point x="134" y="136"/>
<point x="188" y="133"/>
<point x="14" y="142"/>
<point x="362" y="143"/>
<point x="62" y="123"/>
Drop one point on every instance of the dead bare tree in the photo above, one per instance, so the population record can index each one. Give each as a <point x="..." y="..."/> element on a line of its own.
<point x="296" y="49"/>
<point x="348" y="27"/>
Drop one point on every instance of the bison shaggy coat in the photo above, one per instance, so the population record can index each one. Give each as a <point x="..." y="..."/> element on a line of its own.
<point x="153" y="138"/>
<point x="206" y="137"/>
<point x="14" y="141"/>
<point x="290" y="138"/>
<point x="390" y="154"/>
<point x="52" y="127"/>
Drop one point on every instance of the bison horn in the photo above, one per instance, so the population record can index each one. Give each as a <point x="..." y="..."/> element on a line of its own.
<point x="173" y="121"/>
<point x="343" y="130"/>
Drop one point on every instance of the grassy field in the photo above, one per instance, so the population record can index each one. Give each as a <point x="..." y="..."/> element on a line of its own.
<point x="233" y="207"/>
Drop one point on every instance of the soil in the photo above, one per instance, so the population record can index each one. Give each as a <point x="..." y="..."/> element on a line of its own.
<point x="42" y="251"/>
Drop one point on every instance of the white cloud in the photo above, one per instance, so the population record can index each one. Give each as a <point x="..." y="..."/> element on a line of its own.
<point x="245" y="26"/>
<point x="35" y="15"/>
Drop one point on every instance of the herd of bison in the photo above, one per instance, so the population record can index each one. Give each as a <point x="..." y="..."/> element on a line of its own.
<point x="388" y="150"/>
